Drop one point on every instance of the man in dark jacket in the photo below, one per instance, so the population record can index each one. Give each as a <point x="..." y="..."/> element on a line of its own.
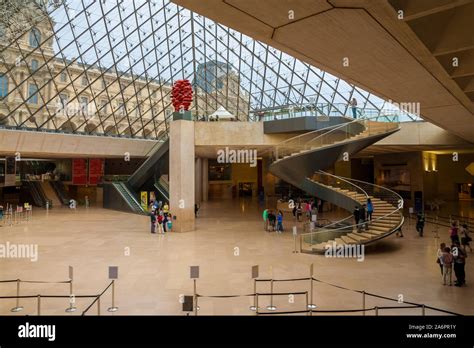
<point x="356" y="216"/>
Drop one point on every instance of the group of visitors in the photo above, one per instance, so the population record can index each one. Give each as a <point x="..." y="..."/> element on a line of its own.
<point x="160" y="217"/>
<point x="454" y="257"/>
<point x="272" y="222"/>
<point x="363" y="215"/>
<point x="307" y="207"/>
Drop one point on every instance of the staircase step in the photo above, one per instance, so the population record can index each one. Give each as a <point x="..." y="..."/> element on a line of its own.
<point x="366" y="235"/>
<point x="339" y="241"/>
<point x="380" y="228"/>
<point x="357" y="236"/>
<point x="375" y="232"/>
<point x="348" y="240"/>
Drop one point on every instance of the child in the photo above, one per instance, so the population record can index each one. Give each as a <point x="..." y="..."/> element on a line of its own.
<point x="169" y="223"/>
<point x="160" y="223"/>
<point x="447" y="266"/>
<point x="439" y="256"/>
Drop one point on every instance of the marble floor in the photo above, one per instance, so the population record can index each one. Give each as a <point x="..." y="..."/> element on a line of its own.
<point x="229" y="240"/>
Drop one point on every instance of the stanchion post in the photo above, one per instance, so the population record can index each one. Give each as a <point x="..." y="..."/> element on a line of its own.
<point x="256" y="304"/>
<point x="194" y="275"/>
<point x="72" y="299"/>
<point x="195" y="299"/>
<point x="39" y="305"/>
<point x="271" y="307"/>
<point x="113" y="308"/>
<point x="98" y="305"/>
<point x="423" y="310"/>
<point x="311" y="272"/>
<point x="17" y="308"/>
<point x="363" y="302"/>
<point x="376" y="311"/>
<point x="255" y="271"/>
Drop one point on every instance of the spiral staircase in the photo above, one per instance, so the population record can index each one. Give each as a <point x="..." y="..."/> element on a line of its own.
<point x="301" y="161"/>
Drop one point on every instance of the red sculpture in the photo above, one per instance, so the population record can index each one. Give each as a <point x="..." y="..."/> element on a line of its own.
<point x="181" y="95"/>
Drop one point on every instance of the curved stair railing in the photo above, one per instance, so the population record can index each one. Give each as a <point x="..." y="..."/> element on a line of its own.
<point x="352" y="130"/>
<point x="300" y="161"/>
<point x="387" y="217"/>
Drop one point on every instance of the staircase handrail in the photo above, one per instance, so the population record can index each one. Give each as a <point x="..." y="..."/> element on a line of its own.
<point x="328" y="130"/>
<point x="343" y="229"/>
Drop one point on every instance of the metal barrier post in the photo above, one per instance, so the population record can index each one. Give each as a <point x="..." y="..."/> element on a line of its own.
<point x="311" y="272"/>
<point x="195" y="299"/>
<point x="376" y="311"/>
<point x="423" y="310"/>
<point x="254" y="307"/>
<point x="256" y="304"/>
<point x="113" y="308"/>
<point x="98" y="305"/>
<point x="39" y="304"/>
<point x="271" y="307"/>
<point x="363" y="302"/>
<point x="17" y="308"/>
<point x="72" y="299"/>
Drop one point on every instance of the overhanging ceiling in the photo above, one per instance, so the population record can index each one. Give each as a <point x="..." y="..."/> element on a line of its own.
<point x="386" y="54"/>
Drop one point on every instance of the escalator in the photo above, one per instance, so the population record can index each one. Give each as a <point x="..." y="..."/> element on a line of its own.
<point x="61" y="192"/>
<point x="162" y="186"/>
<point x="300" y="161"/>
<point x="128" y="196"/>
<point x="37" y="194"/>
<point x="123" y="195"/>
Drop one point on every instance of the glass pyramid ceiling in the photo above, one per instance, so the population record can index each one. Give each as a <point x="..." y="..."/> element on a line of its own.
<point x="107" y="66"/>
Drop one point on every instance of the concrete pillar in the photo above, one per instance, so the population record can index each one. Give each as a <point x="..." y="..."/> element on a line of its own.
<point x="205" y="179"/>
<point x="182" y="175"/>
<point x="198" y="180"/>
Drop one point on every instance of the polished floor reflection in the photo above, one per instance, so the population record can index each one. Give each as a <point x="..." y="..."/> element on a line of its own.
<point x="229" y="240"/>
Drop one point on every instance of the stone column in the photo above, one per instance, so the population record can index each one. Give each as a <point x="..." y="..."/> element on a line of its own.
<point x="182" y="175"/>
<point x="205" y="179"/>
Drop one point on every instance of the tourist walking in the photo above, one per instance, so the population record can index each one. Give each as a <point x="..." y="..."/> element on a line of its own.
<point x="353" y="104"/>
<point x="465" y="238"/>
<point x="420" y="223"/>
<point x="447" y="266"/>
<point x="370" y="209"/>
<point x="356" y="216"/>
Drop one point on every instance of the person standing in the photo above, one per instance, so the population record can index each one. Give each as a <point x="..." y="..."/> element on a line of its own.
<point x="420" y="223"/>
<point x="465" y="238"/>
<point x="166" y="209"/>
<point x="459" y="256"/>
<point x="165" y="221"/>
<point x="453" y="233"/>
<point x="152" y="221"/>
<point x="363" y="218"/>
<point x="280" y="222"/>
<point x="447" y="266"/>
<point x="439" y="256"/>
<point x="370" y="209"/>
<point x="356" y="216"/>
<point x="353" y="104"/>
<point x="159" y="222"/>
<point x="265" y="219"/>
